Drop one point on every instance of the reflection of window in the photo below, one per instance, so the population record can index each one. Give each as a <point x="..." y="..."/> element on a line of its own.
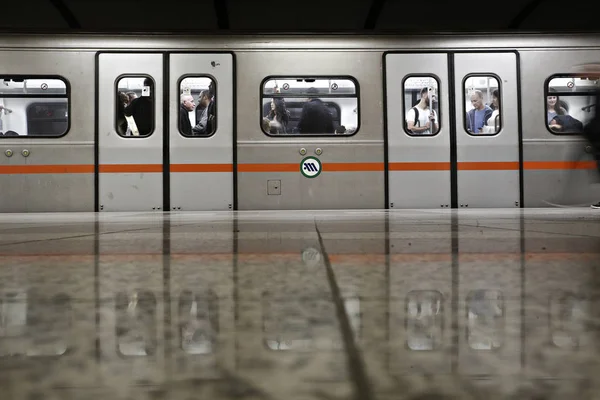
<point x="482" y="105"/>
<point x="302" y="324"/>
<point x="37" y="326"/>
<point x="198" y="322"/>
<point x="33" y="107"/>
<point x="485" y="319"/>
<point x="421" y="106"/>
<point x="196" y="111"/>
<point x="136" y="323"/>
<point x="309" y="106"/>
<point x="135" y="106"/>
<point x="567" y="319"/>
<point x="424" y="320"/>
<point x="570" y="103"/>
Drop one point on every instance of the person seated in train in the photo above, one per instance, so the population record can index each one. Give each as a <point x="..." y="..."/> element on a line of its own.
<point x="279" y="116"/>
<point x="315" y="116"/>
<point x="186" y="106"/>
<point x="480" y="113"/>
<point x="554" y="107"/>
<point x="421" y="118"/>
<point x="204" y="126"/>
<point x="141" y="109"/>
<point x="492" y="125"/>
<point x="565" y="124"/>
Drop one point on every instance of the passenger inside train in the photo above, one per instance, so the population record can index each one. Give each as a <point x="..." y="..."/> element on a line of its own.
<point x="482" y="95"/>
<point x="420" y="96"/>
<point x="197" y="117"/>
<point x="319" y="106"/>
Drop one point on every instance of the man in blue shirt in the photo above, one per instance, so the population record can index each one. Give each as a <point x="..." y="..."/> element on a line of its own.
<point x="480" y="113"/>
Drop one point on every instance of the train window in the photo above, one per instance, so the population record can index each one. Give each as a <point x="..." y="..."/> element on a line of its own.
<point x="309" y="106"/>
<point x="570" y="103"/>
<point x="482" y="105"/>
<point x="135" y="106"/>
<point x="485" y="319"/>
<point x="421" y="111"/>
<point x="198" y="322"/>
<point x="424" y="320"/>
<point x="197" y="111"/>
<point x="33" y="106"/>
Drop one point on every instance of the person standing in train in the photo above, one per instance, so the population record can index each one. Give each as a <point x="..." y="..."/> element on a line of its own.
<point x="315" y="117"/>
<point x="478" y="116"/>
<point x="204" y="126"/>
<point x="142" y="109"/>
<point x="421" y="118"/>
<point x="185" y="107"/>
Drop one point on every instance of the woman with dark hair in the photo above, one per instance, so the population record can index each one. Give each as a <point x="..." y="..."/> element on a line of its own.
<point x="553" y="107"/>
<point x="279" y="116"/>
<point x="492" y="125"/>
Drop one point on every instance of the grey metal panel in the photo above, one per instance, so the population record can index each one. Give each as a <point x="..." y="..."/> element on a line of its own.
<point x="204" y="190"/>
<point x="417" y="189"/>
<point x="277" y="41"/>
<point x="129" y="191"/>
<point x="569" y="187"/>
<point x="52" y="192"/>
<point x="488" y="188"/>
<point x="201" y="191"/>
<point x="359" y="189"/>
<point x="565" y="187"/>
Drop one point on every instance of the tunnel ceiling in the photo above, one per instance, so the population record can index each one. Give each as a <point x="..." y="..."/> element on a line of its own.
<point x="231" y="16"/>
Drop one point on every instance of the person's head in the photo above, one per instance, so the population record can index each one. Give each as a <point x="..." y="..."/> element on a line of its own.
<point x="477" y="99"/>
<point x="204" y="98"/>
<point x="496" y="99"/>
<point x="425" y="94"/>
<point x="131" y="96"/>
<point x="279" y="109"/>
<point x="211" y="90"/>
<point x="553" y="101"/>
<point x="187" y="101"/>
<point x="123" y="99"/>
<point x="313" y="93"/>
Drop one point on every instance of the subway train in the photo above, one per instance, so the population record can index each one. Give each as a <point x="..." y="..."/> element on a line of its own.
<point x="93" y="122"/>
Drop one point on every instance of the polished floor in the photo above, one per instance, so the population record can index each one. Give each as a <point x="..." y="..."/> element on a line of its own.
<point x="438" y="304"/>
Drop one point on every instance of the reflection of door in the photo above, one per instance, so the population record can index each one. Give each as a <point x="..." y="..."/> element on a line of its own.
<point x="419" y="163"/>
<point x="130" y="166"/>
<point x="487" y="161"/>
<point x="201" y="170"/>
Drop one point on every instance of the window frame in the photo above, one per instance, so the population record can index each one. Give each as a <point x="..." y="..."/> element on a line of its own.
<point x="116" y="109"/>
<point x="464" y="102"/>
<point x="214" y="81"/>
<point x="262" y="96"/>
<point x="41" y="99"/>
<point x="404" y="112"/>
<point x="561" y="94"/>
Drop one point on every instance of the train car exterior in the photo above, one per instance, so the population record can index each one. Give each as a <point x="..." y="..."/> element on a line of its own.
<point x="446" y="121"/>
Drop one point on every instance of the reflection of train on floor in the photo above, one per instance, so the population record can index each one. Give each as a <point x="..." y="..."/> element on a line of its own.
<point x="174" y="123"/>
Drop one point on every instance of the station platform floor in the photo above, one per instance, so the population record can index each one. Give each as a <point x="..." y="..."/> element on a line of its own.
<point x="404" y="304"/>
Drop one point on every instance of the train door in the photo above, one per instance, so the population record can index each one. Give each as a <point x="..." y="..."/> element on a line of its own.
<point x="130" y="150"/>
<point x="418" y="156"/>
<point x="487" y="134"/>
<point x="201" y="146"/>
